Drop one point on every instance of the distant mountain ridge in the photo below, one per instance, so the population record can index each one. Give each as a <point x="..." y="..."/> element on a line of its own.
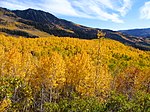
<point x="145" y="32"/>
<point x="36" y="23"/>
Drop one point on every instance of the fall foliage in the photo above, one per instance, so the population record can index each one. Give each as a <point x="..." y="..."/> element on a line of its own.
<point x="42" y="74"/>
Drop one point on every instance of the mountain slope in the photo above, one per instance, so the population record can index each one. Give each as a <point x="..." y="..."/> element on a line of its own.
<point x="36" y="23"/>
<point x="9" y="24"/>
<point x="47" y="22"/>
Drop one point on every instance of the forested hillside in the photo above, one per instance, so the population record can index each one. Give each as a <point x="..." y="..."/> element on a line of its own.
<point x="36" y="23"/>
<point x="72" y="75"/>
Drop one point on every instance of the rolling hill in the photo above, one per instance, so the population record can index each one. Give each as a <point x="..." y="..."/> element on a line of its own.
<point x="36" y="23"/>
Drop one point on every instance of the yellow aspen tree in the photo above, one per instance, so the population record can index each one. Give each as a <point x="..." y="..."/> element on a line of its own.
<point x="142" y="81"/>
<point x="79" y="68"/>
<point x="132" y="80"/>
<point x="52" y="70"/>
<point x="100" y="35"/>
<point x="2" y="59"/>
<point x="48" y="77"/>
<point x="12" y="64"/>
<point x="102" y="78"/>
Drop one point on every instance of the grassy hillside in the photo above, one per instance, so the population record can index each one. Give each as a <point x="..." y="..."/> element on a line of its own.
<point x="64" y="74"/>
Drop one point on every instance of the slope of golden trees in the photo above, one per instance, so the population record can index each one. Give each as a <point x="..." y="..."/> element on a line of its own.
<point x="41" y="70"/>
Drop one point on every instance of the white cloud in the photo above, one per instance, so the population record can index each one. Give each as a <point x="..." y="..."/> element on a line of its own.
<point x="108" y="10"/>
<point x="98" y="9"/>
<point x="53" y="6"/>
<point x="104" y="9"/>
<point x="17" y="4"/>
<point x="59" y="6"/>
<point x="145" y="11"/>
<point x="126" y="6"/>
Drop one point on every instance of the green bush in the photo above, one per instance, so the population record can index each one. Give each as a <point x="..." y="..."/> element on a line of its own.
<point x="19" y="93"/>
<point x="75" y="105"/>
<point x="120" y="103"/>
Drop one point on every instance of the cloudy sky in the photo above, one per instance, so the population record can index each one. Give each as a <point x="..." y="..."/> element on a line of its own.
<point x="107" y="14"/>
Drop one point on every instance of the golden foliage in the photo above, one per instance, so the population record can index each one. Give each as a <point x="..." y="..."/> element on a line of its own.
<point x="56" y="62"/>
<point x="4" y="105"/>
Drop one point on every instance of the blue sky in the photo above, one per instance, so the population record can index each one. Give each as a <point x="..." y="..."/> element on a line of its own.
<point x="106" y="14"/>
